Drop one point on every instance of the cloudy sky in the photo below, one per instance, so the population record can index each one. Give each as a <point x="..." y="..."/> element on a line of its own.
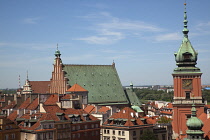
<point x="140" y="36"/>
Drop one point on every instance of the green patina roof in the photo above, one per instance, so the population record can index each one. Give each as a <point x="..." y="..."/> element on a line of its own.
<point x="133" y="99"/>
<point x="186" y="57"/>
<point x="194" y="123"/>
<point x="101" y="81"/>
<point x="137" y="108"/>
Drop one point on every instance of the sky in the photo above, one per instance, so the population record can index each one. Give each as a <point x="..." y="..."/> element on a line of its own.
<point x="141" y="37"/>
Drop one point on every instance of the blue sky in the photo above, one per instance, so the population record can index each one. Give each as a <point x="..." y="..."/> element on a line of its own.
<point x="140" y="36"/>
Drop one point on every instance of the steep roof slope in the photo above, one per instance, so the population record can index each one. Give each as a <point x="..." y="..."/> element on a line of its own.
<point x="101" y="81"/>
<point x="40" y="86"/>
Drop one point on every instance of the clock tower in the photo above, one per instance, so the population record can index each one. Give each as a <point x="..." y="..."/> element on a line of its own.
<point x="187" y="84"/>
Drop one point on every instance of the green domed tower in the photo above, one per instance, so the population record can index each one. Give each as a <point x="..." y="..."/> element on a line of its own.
<point x="187" y="83"/>
<point x="194" y="125"/>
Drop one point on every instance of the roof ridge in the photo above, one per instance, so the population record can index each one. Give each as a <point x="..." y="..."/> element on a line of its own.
<point x="85" y="65"/>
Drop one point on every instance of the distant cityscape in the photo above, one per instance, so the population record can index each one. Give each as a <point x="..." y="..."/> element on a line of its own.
<point x="88" y="102"/>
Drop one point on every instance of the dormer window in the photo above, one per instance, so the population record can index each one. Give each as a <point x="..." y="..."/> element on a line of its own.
<point x="187" y="56"/>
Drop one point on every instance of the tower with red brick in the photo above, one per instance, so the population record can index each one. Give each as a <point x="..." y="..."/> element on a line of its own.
<point x="187" y="84"/>
<point x="58" y="82"/>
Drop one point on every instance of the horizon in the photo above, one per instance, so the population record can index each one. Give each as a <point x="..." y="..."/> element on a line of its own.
<point x="140" y="37"/>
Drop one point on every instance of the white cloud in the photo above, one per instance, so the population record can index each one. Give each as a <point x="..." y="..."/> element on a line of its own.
<point x="109" y="29"/>
<point x="168" y="37"/>
<point x="31" y="20"/>
<point x="118" y="24"/>
<point x="104" y="37"/>
<point x="203" y="28"/>
<point x="95" y="40"/>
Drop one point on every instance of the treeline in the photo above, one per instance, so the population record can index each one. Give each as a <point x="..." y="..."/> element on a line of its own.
<point x="8" y="91"/>
<point x="206" y="95"/>
<point x="149" y="94"/>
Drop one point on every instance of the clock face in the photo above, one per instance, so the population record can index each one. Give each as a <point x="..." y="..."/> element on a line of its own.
<point x="187" y="83"/>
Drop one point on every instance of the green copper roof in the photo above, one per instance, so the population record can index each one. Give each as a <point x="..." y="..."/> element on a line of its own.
<point x="101" y="81"/>
<point x="133" y="99"/>
<point x="194" y="123"/>
<point x="137" y="109"/>
<point x="57" y="52"/>
<point x="186" y="57"/>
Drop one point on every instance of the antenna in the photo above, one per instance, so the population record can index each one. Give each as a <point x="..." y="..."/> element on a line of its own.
<point x="19" y="81"/>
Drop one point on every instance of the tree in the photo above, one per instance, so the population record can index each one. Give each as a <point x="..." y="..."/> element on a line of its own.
<point x="148" y="135"/>
<point x="164" y="119"/>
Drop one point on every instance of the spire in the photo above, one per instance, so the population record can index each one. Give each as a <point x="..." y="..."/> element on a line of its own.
<point x="131" y="86"/>
<point x="27" y="75"/>
<point x="185" y="30"/>
<point x="186" y="57"/>
<point x="113" y="63"/>
<point x="57" y="52"/>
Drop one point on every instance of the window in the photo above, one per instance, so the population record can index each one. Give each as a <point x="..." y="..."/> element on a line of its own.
<point x="38" y="136"/>
<point x="107" y="131"/>
<point x="141" y="132"/>
<point x="113" y="132"/>
<point x="51" y="135"/>
<point x="123" y="133"/>
<point x="163" y="137"/>
<point x="85" y="126"/>
<point x="44" y="126"/>
<point x="44" y="135"/>
<point x="187" y="95"/>
<point x="13" y="136"/>
<point x="96" y="125"/>
<point x="50" y="126"/>
<point x="6" y="137"/>
<point x="93" y="134"/>
<point x="104" y="131"/>
<point x="188" y="116"/>
<point x="92" y="126"/>
<point x="134" y="133"/>
<point x="78" y="127"/>
<point x="73" y="128"/>
<point x="119" y="132"/>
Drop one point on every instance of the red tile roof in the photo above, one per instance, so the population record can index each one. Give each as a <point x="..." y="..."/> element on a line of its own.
<point x="79" y="112"/>
<point x="67" y="96"/>
<point x="126" y="113"/>
<point x="52" y="100"/>
<point x="25" y="104"/>
<point x="208" y="106"/>
<point x="53" y="109"/>
<point x="203" y="117"/>
<point x="76" y="88"/>
<point x="206" y="127"/>
<point x="34" y="105"/>
<point x="90" y="109"/>
<point x="40" y="86"/>
<point x="12" y="116"/>
<point x="169" y="105"/>
<point x="10" y="106"/>
<point x="103" y="109"/>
